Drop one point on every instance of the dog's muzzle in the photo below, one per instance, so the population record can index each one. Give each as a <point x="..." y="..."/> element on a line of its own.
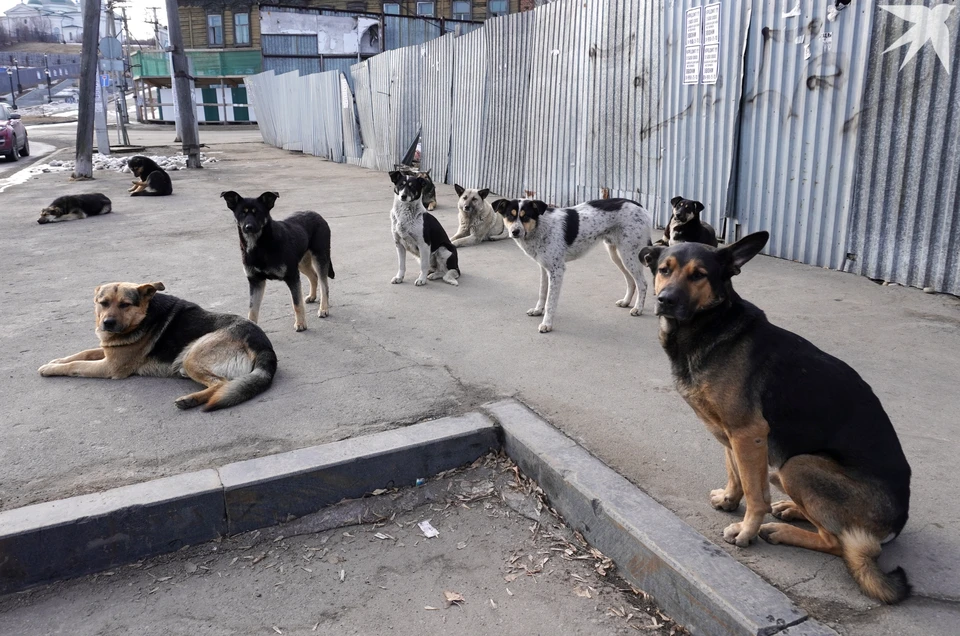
<point x="109" y="325"/>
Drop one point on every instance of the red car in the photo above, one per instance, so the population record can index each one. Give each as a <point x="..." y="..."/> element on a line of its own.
<point x="13" y="136"/>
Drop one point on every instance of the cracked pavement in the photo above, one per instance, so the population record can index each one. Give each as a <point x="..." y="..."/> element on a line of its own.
<point x="391" y="355"/>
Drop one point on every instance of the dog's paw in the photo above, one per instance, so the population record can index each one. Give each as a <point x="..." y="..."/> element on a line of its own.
<point x="48" y="369"/>
<point x="300" y="326"/>
<point x="310" y="299"/>
<point x="421" y="281"/>
<point x="622" y="303"/>
<point x="186" y="402"/>
<point x="738" y="535"/>
<point x="397" y="280"/>
<point x="770" y="532"/>
<point x="636" y="311"/>
<point x="788" y="511"/>
<point x="536" y="311"/>
<point x="720" y="500"/>
<point x="545" y="328"/>
<point x="323" y="313"/>
<point x="433" y="276"/>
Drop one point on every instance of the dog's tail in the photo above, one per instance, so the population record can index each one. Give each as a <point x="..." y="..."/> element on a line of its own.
<point x="246" y="386"/>
<point x="330" y="272"/>
<point x="860" y="552"/>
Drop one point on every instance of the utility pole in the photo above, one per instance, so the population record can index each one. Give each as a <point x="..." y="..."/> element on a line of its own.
<point x="88" y="85"/>
<point x="156" y="27"/>
<point x="187" y="111"/>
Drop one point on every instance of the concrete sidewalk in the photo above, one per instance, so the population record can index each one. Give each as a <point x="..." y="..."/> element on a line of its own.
<point x="394" y="354"/>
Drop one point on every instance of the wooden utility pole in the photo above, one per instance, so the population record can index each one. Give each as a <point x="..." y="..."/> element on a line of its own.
<point x="190" y="134"/>
<point x="83" y="167"/>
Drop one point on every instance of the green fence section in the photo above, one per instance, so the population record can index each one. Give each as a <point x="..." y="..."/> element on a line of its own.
<point x="205" y="63"/>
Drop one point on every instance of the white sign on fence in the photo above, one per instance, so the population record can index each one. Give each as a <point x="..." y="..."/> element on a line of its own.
<point x="711" y="24"/>
<point x="711" y="64"/>
<point x="691" y="65"/>
<point x="693" y="27"/>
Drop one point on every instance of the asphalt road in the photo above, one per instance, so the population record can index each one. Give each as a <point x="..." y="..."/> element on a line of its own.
<point x="393" y="354"/>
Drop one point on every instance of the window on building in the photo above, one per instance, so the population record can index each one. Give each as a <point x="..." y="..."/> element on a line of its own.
<point x="215" y="30"/>
<point x="391" y="8"/>
<point x="462" y="11"/>
<point x="499" y="7"/>
<point x="241" y="28"/>
<point x="426" y="8"/>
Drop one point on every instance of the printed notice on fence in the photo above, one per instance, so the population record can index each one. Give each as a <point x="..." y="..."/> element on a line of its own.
<point x="711" y="64"/>
<point x="693" y="27"/>
<point x="711" y="26"/>
<point x="691" y="65"/>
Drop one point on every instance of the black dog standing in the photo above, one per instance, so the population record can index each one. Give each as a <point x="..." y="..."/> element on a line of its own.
<point x="280" y="250"/>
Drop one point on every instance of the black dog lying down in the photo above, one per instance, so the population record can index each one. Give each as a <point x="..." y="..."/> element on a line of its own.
<point x="152" y="180"/>
<point x="280" y="250"/>
<point x="75" y="206"/>
<point x="685" y="225"/>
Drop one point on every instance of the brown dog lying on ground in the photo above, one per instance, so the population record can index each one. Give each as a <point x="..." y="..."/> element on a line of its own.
<point x="142" y="332"/>
<point x="775" y="400"/>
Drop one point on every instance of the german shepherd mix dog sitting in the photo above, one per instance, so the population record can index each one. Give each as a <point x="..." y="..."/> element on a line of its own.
<point x="778" y="403"/>
<point x="685" y="225"/>
<point x="75" y="206"/>
<point x="142" y="332"/>
<point x="280" y="250"/>
<point x="152" y="180"/>
<point x="419" y="232"/>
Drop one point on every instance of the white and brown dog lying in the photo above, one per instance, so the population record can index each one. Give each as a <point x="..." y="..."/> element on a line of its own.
<point x="553" y="236"/>
<point x="478" y="221"/>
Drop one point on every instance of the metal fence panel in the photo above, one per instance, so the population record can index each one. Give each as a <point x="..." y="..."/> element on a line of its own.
<point x="467" y="110"/>
<point x="803" y="90"/>
<point x="363" y="94"/>
<point x="699" y="122"/>
<point x="352" y="146"/>
<point x="906" y="211"/>
<point x="401" y="31"/>
<point x="435" y="105"/>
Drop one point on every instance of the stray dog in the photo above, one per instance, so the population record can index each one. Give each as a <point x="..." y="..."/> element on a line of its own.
<point x="478" y="221"/>
<point x="419" y="232"/>
<point x="554" y="236"/>
<point x="142" y="332"/>
<point x="280" y="250"/>
<point x="429" y="195"/>
<point x="151" y="181"/>
<point x="75" y="206"/>
<point x="685" y="225"/>
<point x="780" y="404"/>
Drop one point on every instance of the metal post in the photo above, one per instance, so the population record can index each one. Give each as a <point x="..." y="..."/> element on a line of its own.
<point x="187" y="113"/>
<point x="13" y="93"/>
<point x="88" y="87"/>
<point x="46" y="69"/>
<point x="16" y="65"/>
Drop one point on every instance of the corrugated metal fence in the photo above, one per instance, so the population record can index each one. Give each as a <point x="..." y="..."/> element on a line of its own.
<point x="834" y="135"/>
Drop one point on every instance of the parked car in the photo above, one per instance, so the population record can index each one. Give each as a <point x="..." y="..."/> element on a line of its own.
<point x="13" y="136"/>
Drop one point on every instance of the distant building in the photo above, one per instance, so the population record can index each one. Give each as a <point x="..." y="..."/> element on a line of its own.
<point x="49" y="21"/>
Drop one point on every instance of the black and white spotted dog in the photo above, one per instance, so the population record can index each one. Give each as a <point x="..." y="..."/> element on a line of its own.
<point x="417" y="231"/>
<point x="553" y="236"/>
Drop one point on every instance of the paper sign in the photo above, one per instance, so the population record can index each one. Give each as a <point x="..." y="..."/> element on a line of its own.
<point x="711" y="63"/>
<point x="693" y="27"/>
<point x="691" y="65"/>
<point x="711" y="25"/>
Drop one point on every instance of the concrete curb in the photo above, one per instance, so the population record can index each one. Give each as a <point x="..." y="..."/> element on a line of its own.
<point x="80" y="535"/>
<point x="693" y="580"/>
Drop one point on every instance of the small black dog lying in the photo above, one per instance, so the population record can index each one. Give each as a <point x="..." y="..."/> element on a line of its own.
<point x="685" y="225"/>
<point x="783" y="409"/>
<point x="75" y="206"/>
<point x="151" y="181"/>
<point x="280" y="250"/>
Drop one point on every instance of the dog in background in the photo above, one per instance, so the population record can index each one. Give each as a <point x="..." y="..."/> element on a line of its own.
<point x="478" y="221"/>
<point x="142" y="332"/>
<point x="75" y="206"/>
<point x="780" y="405"/>
<point x="429" y="195"/>
<point x="280" y="250"/>
<point x="685" y="225"/>
<point x="419" y="232"/>
<point x="151" y="181"/>
<point x="553" y="236"/>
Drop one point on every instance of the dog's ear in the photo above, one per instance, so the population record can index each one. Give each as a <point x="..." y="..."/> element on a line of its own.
<point x="502" y="206"/>
<point x="650" y="256"/>
<point x="231" y="197"/>
<point x="147" y="290"/>
<point x="96" y="292"/>
<point x="539" y="206"/>
<point x="396" y="176"/>
<point x="268" y="199"/>
<point x="427" y="173"/>
<point x="697" y="206"/>
<point x="736" y="255"/>
<point x="459" y="188"/>
<point x="675" y="201"/>
<point x="483" y="193"/>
